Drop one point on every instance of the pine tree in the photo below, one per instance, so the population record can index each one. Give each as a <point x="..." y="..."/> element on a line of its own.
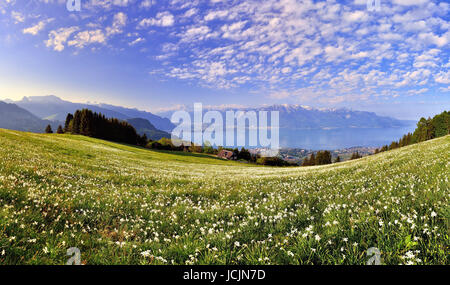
<point x="306" y="162"/>
<point x="309" y="161"/>
<point x="323" y="157"/>
<point x="85" y="122"/>
<point x="60" y="130"/>
<point x="355" y="155"/>
<point x="76" y="122"/>
<point x="236" y="153"/>
<point x="245" y="154"/>
<point x="48" y="129"/>
<point x="144" y="140"/>
<point x="338" y="159"/>
<point x="430" y="134"/>
<point x="312" y="159"/>
<point x="67" y="126"/>
<point x="393" y="145"/>
<point x="441" y="124"/>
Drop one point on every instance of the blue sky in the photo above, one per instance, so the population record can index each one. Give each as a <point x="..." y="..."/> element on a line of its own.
<point x="158" y="55"/>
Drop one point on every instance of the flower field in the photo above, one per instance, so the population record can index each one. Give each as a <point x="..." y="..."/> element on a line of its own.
<point x="125" y="205"/>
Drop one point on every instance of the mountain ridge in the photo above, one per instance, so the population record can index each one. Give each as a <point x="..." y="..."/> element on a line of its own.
<point x="53" y="108"/>
<point x="143" y="126"/>
<point x="17" y="118"/>
<point x="298" y="117"/>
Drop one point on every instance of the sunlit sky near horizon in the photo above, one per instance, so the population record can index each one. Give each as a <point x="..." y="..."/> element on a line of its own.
<point x="157" y="55"/>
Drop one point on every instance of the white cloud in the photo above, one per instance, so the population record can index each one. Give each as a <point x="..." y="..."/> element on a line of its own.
<point x="434" y="39"/>
<point x="356" y="16"/>
<point x="442" y="77"/>
<point x="196" y="33"/>
<point x="216" y="15"/>
<point x="84" y="38"/>
<point x="191" y="12"/>
<point x="34" y="30"/>
<point x="136" y="41"/>
<point x="147" y="4"/>
<point x="163" y="19"/>
<point x="57" y="38"/>
<point x="18" y="17"/>
<point x="119" y="21"/>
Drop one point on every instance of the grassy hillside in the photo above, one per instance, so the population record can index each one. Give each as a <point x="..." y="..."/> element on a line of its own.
<point x="125" y="205"/>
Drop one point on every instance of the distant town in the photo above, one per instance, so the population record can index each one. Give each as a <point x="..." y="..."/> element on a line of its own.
<point x="297" y="155"/>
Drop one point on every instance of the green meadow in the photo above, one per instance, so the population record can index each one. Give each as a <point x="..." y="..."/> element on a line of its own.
<point x="127" y="205"/>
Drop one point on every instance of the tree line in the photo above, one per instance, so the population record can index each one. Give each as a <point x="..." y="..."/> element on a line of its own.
<point x="242" y="154"/>
<point x="324" y="157"/>
<point x="87" y="123"/>
<point x="426" y="129"/>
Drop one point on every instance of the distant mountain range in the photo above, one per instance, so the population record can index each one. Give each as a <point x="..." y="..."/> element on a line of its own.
<point x="53" y="108"/>
<point x="15" y="118"/>
<point x="299" y="125"/>
<point x="297" y="117"/>
<point x="33" y="114"/>
<point x="143" y="126"/>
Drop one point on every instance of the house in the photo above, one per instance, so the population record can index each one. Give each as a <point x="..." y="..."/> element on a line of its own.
<point x="226" y="154"/>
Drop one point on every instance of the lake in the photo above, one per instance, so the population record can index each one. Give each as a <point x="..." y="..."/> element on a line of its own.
<point x="341" y="138"/>
<point x="320" y="139"/>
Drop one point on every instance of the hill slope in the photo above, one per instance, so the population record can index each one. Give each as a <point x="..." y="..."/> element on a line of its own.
<point x="15" y="118"/>
<point x="143" y="126"/>
<point x="127" y="205"/>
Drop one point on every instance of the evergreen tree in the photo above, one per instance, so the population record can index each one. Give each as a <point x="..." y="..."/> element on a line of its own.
<point x="306" y="162"/>
<point x="430" y="130"/>
<point x="309" y="161"/>
<point x="355" y="155"/>
<point x="144" y="140"/>
<point x="96" y="125"/>
<point x="393" y="145"/>
<point x="323" y="157"/>
<point x="48" y="129"/>
<point x="60" y="130"/>
<point x="67" y="126"/>
<point x="338" y="159"/>
<point x="76" y="122"/>
<point x="312" y="159"/>
<point x="236" y="152"/>
<point x="244" y="154"/>
<point x="441" y="124"/>
<point x="86" y="123"/>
